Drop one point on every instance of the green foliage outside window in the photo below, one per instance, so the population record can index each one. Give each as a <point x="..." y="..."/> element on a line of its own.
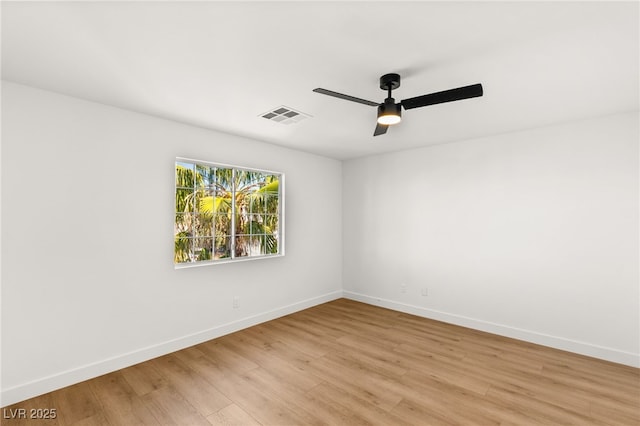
<point x="223" y="212"/>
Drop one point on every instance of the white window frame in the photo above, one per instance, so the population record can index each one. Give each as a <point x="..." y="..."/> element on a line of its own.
<point x="233" y="258"/>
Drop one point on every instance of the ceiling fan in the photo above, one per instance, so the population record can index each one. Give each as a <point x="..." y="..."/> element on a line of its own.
<point x="390" y="112"/>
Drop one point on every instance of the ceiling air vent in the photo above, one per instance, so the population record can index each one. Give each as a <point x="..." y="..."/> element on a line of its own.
<point x="284" y="115"/>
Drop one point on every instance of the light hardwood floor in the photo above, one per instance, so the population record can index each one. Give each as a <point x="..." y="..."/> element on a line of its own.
<point x="347" y="363"/>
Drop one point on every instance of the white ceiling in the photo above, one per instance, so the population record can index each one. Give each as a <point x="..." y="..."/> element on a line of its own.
<point x="219" y="65"/>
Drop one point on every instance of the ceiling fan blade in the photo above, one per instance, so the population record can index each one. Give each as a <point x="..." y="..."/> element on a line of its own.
<point x="381" y="129"/>
<point x="345" y="97"/>
<point x="457" y="94"/>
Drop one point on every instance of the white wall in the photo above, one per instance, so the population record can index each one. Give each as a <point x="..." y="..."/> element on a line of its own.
<point x="88" y="283"/>
<point x="532" y="234"/>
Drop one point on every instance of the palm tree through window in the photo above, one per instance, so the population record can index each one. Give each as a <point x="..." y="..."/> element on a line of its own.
<point x="225" y="212"/>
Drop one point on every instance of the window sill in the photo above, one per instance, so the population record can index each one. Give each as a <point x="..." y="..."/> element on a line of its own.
<point x="223" y="261"/>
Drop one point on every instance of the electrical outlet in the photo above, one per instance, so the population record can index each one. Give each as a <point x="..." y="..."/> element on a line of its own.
<point x="425" y="291"/>
<point x="236" y="302"/>
<point x="403" y="288"/>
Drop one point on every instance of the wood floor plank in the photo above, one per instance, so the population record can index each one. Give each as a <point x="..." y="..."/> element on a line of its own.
<point x="413" y="413"/>
<point x="96" y="420"/>
<point x="537" y="409"/>
<point x="143" y="378"/>
<point x="358" y="410"/>
<point x="293" y="398"/>
<point x="295" y="357"/>
<point x="76" y="403"/>
<point x="592" y="383"/>
<point x="222" y="355"/>
<point x="200" y="393"/>
<point x="317" y="321"/>
<point x="259" y="403"/>
<point x="449" y="371"/>
<point x="383" y="362"/>
<point x="353" y="380"/>
<point x="445" y="399"/>
<point x="611" y="413"/>
<point x="330" y="411"/>
<point x="348" y="363"/>
<point x="280" y="368"/>
<point x="119" y="402"/>
<point x="239" y="388"/>
<point x="232" y="415"/>
<point x="169" y="407"/>
<point x="300" y="339"/>
<point x="545" y="390"/>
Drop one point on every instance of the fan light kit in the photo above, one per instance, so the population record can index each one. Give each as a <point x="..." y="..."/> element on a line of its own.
<point x="390" y="112"/>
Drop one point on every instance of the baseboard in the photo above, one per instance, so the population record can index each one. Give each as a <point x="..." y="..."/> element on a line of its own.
<point x="89" y="371"/>
<point x="582" y="348"/>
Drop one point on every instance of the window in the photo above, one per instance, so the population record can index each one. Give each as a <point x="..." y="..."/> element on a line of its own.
<point x="225" y="213"/>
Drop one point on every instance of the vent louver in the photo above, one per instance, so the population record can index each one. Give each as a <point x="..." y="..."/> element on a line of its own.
<point x="284" y="115"/>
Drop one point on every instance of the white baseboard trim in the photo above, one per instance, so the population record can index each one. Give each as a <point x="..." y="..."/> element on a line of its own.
<point x="66" y="378"/>
<point x="595" y="351"/>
